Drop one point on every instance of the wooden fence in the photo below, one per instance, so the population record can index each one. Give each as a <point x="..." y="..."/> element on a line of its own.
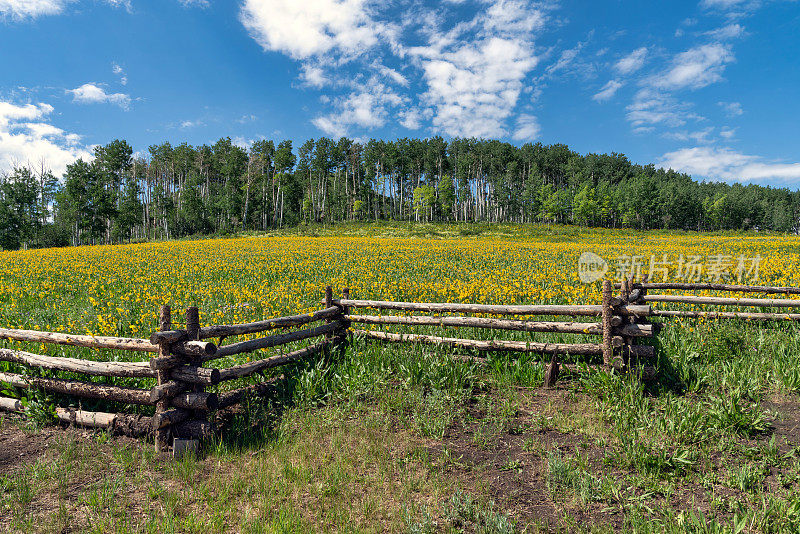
<point x="179" y="397"/>
<point x="640" y="294"/>
<point x="621" y="323"/>
<point x="181" y="376"/>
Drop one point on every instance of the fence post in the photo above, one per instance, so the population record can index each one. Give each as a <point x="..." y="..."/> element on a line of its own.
<point x="162" y="375"/>
<point x="608" y="310"/>
<point x="328" y="304"/>
<point x="198" y="421"/>
<point x="345" y="311"/>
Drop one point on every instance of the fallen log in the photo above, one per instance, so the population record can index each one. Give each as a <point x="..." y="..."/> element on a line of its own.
<point x="487" y="345"/>
<point x="10" y="405"/>
<point x="279" y="339"/>
<point x="261" y="389"/>
<point x="94" y="342"/>
<point x="723" y="301"/>
<point x="121" y="369"/>
<point x="492" y="309"/>
<point x="133" y="425"/>
<point x="80" y="389"/>
<point x="118" y="423"/>
<point x="750" y="316"/>
<point x="717" y="287"/>
<point x="250" y="368"/>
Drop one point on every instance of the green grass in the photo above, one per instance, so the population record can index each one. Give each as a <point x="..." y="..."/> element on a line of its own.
<point x="397" y="438"/>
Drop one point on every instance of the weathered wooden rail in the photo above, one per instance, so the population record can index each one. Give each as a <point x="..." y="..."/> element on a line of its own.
<point x="640" y="289"/>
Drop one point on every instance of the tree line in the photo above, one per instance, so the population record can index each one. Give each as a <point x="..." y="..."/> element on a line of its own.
<point x="183" y="190"/>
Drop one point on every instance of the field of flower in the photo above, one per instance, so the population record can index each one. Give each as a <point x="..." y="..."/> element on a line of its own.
<point x="443" y="444"/>
<point x="117" y="290"/>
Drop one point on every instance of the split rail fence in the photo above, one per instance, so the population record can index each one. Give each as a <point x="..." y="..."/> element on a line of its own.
<point x="183" y="404"/>
<point x="639" y="293"/>
<point x="179" y="396"/>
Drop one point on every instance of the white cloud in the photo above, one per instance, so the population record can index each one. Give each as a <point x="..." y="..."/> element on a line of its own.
<point x="696" y="68"/>
<point x="22" y="9"/>
<point x="119" y="71"/>
<point x="26" y="139"/>
<point x="699" y="136"/>
<point x="192" y="124"/>
<point x="731" y="31"/>
<point x="730" y="166"/>
<point x="330" y="126"/>
<point x="651" y="107"/>
<point x="475" y="72"/>
<point x="31" y="9"/>
<point x="732" y="109"/>
<point x="411" y="119"/>
<point x="632" y="62"/>
<point x="311" y="27"/>
<point x="90" y="93"/>
<point x="120" y="3"/>
<point x="527" y="128"/>
<point x="367" y="108"/>
<point x="195" y="3"/>
<point x="727" y="132"/>
<point x="723" y="4"/>
<point x="565" y="60"/>
<point x="608" y="91"/>
<point x="313" y="75"/>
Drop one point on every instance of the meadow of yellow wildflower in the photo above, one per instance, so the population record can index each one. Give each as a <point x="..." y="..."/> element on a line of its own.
<point x="117" y="290"/>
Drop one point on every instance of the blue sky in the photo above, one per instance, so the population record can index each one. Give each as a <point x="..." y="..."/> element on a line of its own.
<point x="710" y="87"/>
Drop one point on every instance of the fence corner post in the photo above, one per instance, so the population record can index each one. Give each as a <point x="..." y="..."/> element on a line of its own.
<point x="607" y="311"/>
<point x="162" y="376"/>
<point x="197" y="426"/>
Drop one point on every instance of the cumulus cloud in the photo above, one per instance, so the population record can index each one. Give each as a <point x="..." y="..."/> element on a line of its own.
<point x="27" y="139"/>
<point x="474" y="80"/>
<point x="472" y="69"/>
<point x="312" y="27"/>
<point x="632" y="62"/>
<point x="608" y="91"/>
<point x="90" y="93"/>
<point x="731" y="166"/>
